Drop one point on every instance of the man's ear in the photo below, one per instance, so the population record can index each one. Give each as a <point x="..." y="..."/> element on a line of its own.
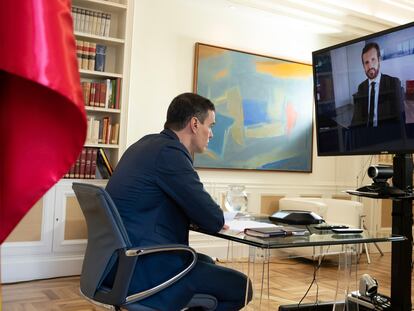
<point x="194" y="123"/>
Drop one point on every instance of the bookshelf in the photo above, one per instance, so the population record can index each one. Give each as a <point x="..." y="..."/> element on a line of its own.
<point x="101" y="33"/>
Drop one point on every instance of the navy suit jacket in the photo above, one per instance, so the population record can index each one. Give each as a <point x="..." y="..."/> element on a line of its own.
<point x="158" y="194"/>
<point x="389" y="102"/>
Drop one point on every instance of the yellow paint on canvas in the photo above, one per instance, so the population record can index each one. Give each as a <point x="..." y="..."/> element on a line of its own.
<point x="284" y="70"/>
<point x="205" y="51"/>
<point x="209" y="154"/>
<point x="221" y="74"/>
<point x="235" y="109"/>
<point x="266" y="130"/>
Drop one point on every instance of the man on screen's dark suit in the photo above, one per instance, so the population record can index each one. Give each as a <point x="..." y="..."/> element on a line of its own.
<point x="159" y="194"/>
<point x="387" y="95"/>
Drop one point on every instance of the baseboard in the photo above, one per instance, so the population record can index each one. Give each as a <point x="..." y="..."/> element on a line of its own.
<point x="27" y="268"/>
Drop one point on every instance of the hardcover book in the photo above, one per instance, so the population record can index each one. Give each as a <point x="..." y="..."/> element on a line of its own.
<point x="93" y="162"/>
<point x="82" y="166"/>
<point x="100" y="57"/>
<point x="268" y="232"/>
<point x="103" y="164"/>
<point x="107" y="24"/>
<point x="85" y="55"/>
<point x="91" y="56"/>
<point x="88" y="163"/>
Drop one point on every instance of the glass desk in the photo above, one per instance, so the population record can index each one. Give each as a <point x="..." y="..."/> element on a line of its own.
<point x="314" y="237"/>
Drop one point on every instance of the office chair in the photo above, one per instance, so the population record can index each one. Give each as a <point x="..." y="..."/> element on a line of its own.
<point x="109" y="248"/>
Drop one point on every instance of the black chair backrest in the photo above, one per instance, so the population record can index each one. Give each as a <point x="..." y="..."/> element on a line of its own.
<point x="106" y="236"/>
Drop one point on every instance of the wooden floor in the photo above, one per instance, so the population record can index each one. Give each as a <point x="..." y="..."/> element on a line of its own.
<point x="289" y="280"/>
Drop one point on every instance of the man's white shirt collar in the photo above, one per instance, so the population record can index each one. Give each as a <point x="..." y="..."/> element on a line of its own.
<point x="376" y="80"/>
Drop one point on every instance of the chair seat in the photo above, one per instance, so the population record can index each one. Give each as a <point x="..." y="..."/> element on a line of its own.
<point x="207" y="302"/>
<point x="137" y="307"/>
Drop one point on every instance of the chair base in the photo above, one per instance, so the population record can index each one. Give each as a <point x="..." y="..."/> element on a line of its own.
<point x="100" y="304"/>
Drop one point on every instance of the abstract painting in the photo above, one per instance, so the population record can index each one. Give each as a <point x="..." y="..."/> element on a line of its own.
<point x="263" y="110"/>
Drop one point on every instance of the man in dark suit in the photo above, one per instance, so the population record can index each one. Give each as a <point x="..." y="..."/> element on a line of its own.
<point x="159" y="194"/>
<point x="378" y="101"/>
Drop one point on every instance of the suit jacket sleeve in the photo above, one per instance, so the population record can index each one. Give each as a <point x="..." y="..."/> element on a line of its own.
<point x="177" y="177"/>
<point x="360" y="99"/>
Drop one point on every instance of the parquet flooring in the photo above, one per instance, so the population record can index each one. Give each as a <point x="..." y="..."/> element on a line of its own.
<point x="289" y="280"/>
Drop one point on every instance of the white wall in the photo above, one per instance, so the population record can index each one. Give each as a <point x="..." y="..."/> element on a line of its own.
<point x="164" y="34"/>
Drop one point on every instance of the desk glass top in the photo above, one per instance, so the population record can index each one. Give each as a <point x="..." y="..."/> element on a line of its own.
<point x="313" y="238"/>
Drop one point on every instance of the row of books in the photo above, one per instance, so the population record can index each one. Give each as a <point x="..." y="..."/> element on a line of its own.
<point x="102" y="93"/>
<point x="102" y="131"/>
<point x="92" y="163"/>
<point x="91" y="22"/>
<point x="91" y="56"/>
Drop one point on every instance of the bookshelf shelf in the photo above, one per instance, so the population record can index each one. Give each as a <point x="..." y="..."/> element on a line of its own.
<point x="93" y="74"/>
<point x="99" y="39"/>
<point x="104" y="110"/>
<point x="108" y="6"/>
<point x="106" y="146"/>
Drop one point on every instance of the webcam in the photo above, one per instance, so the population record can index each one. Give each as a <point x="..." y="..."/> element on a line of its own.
<point x="368" y="286"/>
<point x="380" y="173"/>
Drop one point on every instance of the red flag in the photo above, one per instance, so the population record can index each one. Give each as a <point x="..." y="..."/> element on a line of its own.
<point x="42" y="116"/>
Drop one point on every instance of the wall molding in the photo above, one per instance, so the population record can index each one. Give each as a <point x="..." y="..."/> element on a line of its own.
<point x="35" y="267"/>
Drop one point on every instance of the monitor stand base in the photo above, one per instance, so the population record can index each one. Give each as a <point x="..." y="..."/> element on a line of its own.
<point x="321" y="306"/>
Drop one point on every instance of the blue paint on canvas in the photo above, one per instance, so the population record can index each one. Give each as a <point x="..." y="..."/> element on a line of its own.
<point x="220" y="131"/>
<point x="254" y="112"/>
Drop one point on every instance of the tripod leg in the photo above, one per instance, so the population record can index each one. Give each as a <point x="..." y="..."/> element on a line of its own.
<point x="379" y="249"/>
<point x="367" y="253"/>
<point x="375" y="243"/>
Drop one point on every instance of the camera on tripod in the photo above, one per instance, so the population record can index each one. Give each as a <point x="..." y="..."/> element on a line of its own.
<point x="380" y="174"/>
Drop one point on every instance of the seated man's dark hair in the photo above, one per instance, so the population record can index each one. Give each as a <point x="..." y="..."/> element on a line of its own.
<point x="184" y="107"/>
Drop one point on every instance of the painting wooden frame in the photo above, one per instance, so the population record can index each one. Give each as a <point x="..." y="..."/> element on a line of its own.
<point x="263" y="110"/>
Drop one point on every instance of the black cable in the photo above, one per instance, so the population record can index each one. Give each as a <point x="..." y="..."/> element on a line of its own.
<point x="315" y="269"/>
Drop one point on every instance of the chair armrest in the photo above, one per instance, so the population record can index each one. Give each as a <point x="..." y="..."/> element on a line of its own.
<point x="139" y="251"/>
<point x="157" y="249"/>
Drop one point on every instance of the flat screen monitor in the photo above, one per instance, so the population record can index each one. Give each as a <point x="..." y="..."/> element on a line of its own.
<point x="364" y="94"/>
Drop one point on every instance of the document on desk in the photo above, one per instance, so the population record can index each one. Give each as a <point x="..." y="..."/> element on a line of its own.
<point x="240" y="225"/>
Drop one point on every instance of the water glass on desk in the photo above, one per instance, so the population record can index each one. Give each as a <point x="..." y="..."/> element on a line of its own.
<point x="236" y="199"/>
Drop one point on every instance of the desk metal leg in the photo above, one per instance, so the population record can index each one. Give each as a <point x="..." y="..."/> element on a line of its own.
<point x="258" y="259"/>
<point x="265" y="264"/>
<point x="251" y="261"/>
<point x="230" y="253"/>
<point x="345" y="272"/>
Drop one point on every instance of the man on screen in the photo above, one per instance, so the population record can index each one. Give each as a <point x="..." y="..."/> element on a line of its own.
<point x="378" y="101"/>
